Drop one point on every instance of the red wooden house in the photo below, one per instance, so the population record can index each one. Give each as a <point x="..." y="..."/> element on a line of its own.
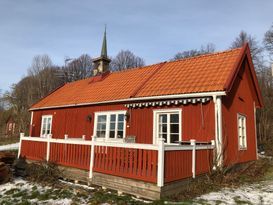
<point x="112" y="124"/>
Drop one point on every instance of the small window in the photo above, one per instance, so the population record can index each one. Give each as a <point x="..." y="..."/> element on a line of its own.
<point x="110" y="125"/>
<point x="168" y="125"/>
<point x="242" y="131"/>
<point x="46" y="125"/>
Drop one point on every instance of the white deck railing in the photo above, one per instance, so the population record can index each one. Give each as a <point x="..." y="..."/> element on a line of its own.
<point x="161" y="147"/>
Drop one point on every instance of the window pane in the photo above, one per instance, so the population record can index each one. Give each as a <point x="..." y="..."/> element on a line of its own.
<point x="102" y="118"/>
<point x="174" y="118"/>
<point x="174" y="128"/>
<point x="120" y="134"/>
<point x="162" y="128"/>
<point x="121" y="117"/>
<point x="100" y="133"/>
<point x="112" y="126"/>
<point x="163" y="118"/>
<point x="113" y="118"/>
<point x="174" y="138"/>
<point x="120" y="125"/>
<point x="112" y="134"/>
<point x="101" y="126"/>
<point x="163" y="136"/>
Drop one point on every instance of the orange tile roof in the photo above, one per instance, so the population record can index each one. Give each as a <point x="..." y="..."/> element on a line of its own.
<point x="204" y="73"/>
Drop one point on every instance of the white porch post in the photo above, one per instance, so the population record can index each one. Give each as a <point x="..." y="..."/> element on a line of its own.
<point x="218" y="130"/>
<point x="193" y="143"/>
<point x="20" y="144"/>
<point x="48" y="147"/>
<point x="160" y="167"/>
<point x="92" y="157"/>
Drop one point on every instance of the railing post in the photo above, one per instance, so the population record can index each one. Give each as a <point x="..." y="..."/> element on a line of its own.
<point x="48" y="146"/>
<point x="193" y="143"/>
<point x="160" y="167"/>
<point x="66" y="136"/>
<point x="92" y="157"/>
<point x="20" y="144"/>
<point x="83" y="137"/>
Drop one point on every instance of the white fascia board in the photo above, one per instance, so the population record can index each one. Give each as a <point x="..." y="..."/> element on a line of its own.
<point x="160" y="97"/>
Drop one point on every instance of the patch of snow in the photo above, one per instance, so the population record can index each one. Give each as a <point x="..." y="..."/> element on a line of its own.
<point x="141" y="200"/>
<point x="9" y="146"/>
<point x="261" y="193"/>
<point x="78" y="185"/>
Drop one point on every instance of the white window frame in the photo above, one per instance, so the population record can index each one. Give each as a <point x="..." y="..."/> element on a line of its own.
<point x="108" y="114"/>
<point x="50" y="131"/>
<point x="241" y="131"/>
<point x="156" y="125"/>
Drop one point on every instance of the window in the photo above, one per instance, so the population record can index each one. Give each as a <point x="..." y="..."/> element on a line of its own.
<point x="46" y="125"/>
<point x="167" y="125"/>
<point x="242" y="131"/>
<point x="110" y="125"/>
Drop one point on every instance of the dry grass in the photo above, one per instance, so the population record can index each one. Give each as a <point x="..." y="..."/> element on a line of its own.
<point x="8" y="139"/>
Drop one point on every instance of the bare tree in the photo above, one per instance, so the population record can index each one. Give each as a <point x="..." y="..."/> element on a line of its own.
<point x="268" y="41"/>
<point x="209" y="48"/>
<point x="255" y="49"/>
<point x="125" y="59"/>
<point x="77" y="69"/>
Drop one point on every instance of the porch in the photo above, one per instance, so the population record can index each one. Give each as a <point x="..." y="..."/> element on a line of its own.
<point x="146" y="170"/>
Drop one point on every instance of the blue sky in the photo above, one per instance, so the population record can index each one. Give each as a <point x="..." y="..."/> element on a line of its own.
<point x="154" y="30"/>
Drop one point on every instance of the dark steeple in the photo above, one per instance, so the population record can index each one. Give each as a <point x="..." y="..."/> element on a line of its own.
<point x="104" y="46"/>
<point x="102" y="62"/>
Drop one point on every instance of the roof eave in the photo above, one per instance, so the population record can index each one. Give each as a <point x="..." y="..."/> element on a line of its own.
<point x="176" y="96"/>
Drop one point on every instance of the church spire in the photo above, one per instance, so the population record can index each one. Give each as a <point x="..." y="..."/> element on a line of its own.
<point x="101" y="64"/>
<point x="104" y="45"/>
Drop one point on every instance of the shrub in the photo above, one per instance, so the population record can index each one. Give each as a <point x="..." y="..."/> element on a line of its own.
<point x="44" y="172"/>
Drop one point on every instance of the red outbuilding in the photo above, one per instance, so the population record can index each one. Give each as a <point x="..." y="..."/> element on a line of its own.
<point x="112" y="124"/>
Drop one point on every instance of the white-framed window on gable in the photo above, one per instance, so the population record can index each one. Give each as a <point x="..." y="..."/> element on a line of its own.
<point x="110" y="125"/>
<point x="241" y="120"/>
<point x="167" y="125"/>
<point x="46" y="125"/>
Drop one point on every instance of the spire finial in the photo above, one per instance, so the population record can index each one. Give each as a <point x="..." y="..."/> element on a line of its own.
<point x="104" y="45"/>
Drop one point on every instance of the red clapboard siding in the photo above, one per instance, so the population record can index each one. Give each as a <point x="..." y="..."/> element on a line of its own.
<point x="71" y="155"/>
<point x="197" y="121"/>
<point x="203" y="161"/>
<point x="33" y="150"/>
<point x="239" y="100"/>
<point x="178" y="164"/>
<point x="125" y="162"/>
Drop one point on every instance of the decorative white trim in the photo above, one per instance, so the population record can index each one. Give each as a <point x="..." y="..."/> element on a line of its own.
<point x="169" y="102"/>
<point x="155" y="122"/>
<point x="190" y="95"/>
<point x="41" y="130"/>
<point x="108" y="113"/>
